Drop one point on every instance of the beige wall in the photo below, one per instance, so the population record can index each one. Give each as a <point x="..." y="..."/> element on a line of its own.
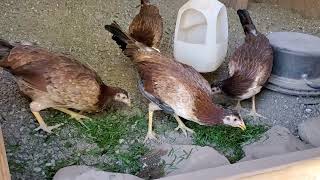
<point x="308" y="8"/>
<point x="301" y="165"/>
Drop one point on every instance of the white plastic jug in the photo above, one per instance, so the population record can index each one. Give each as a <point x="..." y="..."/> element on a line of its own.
<point x="201" y="34"/>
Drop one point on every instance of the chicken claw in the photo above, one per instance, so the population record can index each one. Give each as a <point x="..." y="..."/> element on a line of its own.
<point x="238" y="106"/>
<point x="255" y="114"/>
<point x="74" y="115"/>
<point x="253" y="110"/>
<point x="184" y="129"/>
<point x="79" y="117"/>
<point x="150" y="136"/>
<point x="46" y="128"/>
<point x="43" y="125"/>
<point x="182" y="126"/>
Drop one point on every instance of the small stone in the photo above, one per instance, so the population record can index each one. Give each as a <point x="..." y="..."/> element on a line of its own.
<point x="86" y="172"/>
<point x="308" y="110"/>
<point x="309" y="131"/>
<point x="48" y="164"/>
<point x="187" y="158"/>
<point x="37" y="169"/>
<point x="278" y="140"/>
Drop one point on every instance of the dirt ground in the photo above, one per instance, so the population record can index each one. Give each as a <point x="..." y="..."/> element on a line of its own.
<point x="76" y="27"/>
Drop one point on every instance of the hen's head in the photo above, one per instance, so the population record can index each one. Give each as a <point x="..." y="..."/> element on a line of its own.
<point x="122" y="96"/>
<point x="232" y="118"/>
<point x="109" y="94"/>
<point x="216" y="87"/>
<point x="211" y="114"/>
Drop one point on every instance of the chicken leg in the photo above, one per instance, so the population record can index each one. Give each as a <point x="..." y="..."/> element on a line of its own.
<point x="238" y="107"/>
<point x="73" y="115"/>
<point x="42" y="124"/>
<point x="253" y="110"/>
<point x="151" y="135"/>
<point x="182" y="126"/>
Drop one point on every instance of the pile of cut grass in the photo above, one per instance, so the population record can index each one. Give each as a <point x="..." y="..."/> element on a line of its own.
<point x="114" y="130"/>
<point x="227" y="140"/>
<point x="117" y="135"/>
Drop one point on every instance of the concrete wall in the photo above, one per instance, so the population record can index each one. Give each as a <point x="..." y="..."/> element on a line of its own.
<point x="308" y="8"/>
<point x="301" y="165"/>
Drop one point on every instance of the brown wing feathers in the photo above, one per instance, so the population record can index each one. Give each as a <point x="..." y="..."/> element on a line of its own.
<point x="147" y="26"/>
<point x="251" y="63"/>
<point x="33" y="73"/>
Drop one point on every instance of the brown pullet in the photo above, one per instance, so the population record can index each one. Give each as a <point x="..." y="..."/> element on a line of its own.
<point x="56" y="81"/>
<point x="249" y="67"/>
<point x="147" y="26"/>
<point x="173" y="87"/>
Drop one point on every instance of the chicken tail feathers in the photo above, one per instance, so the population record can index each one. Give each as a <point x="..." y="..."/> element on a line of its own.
<point x="128" y="44"/>
<point x="5" y="48"/>
<point x="120" y="37"/>
<point x="246" y="21"/>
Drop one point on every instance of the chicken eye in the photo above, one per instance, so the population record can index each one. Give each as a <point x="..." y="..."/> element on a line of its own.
<point x="234" y="119"/>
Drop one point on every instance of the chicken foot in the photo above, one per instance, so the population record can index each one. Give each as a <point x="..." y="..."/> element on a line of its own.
<point x="151" y="135"/>
<point x="238" y="106"/>
<point x="42" y="124"/>
<point x="182" y="126"/>
<point x="73" y="115"/>
<point x="253" y="110"/>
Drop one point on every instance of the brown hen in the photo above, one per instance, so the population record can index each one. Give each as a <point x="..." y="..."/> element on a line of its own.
<point x="250" y="65"/>
<point x="53" y="80"/>
<point x="173" y="87"/>
<point x="147" y="26"/>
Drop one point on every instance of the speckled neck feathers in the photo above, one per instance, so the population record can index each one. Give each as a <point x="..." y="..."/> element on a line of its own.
<point x="106" y="96"/>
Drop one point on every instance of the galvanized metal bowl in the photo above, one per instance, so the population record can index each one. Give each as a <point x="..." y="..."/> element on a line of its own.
<point x="296" y="67"/>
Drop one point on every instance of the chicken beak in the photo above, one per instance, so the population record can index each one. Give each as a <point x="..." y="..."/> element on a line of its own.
<point x="129" y="104"/>
<point x="242" y="127"/>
